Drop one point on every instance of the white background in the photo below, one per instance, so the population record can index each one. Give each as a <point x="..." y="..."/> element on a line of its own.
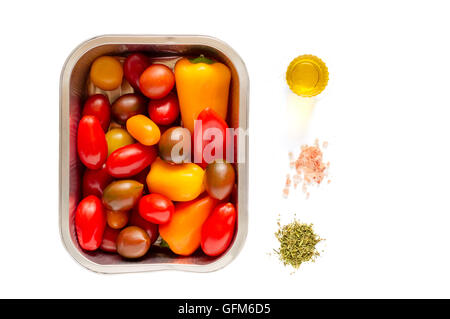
<point x="385" y="113"/>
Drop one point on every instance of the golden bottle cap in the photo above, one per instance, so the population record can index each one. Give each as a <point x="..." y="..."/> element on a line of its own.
<point x="307" y="75"/>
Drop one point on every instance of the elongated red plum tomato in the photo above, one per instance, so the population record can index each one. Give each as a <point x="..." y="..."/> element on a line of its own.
<point x="129" y="160"/>
<point x="90" y="223"/>
<point x="156" y="208"/>
<point x="98" y="106"/>
<point x="133" y="67"/>
<point x="91" y="142"/>
<point x="156" y="81"/>
<point x="95" y="181"/>
<point x="151" y="229"/>
<point x="218" y="230"/>
<point x="164" y="111"/>
<point x="109" y="240"/>
<point x="128" y="105"/>
<point x="132" y="242"/>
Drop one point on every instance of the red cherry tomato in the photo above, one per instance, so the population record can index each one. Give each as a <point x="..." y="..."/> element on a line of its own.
<point x="109" y="240"/>
<point x="130" y="160"/>
<point x="133" y="67"/>
<point x="218" y="230"/>
<point x="95" y="181"/>
<point x="156" y="81"/>
<point x="164" y="111"/>
<point x="156" y="208"/>
<point x="98" y="106"/>
<point x="90" y="222"/>
<point x="151" y="229"/>
<point x="210" y="122"/>
<point x="91" y="142"/>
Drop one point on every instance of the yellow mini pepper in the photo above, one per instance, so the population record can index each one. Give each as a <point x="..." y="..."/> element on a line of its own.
<point x="184" y="230"/>
<point x="201" y="83"/>
<point x="178" y="182"/>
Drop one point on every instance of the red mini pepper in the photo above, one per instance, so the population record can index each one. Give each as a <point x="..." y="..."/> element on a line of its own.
<point x="218" y="230"/>
<point x="209" y="127"/>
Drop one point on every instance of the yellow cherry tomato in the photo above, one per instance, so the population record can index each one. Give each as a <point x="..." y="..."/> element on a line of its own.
<point x="117" y="138"/>
<point x="106" y="73"/>
<point x="143" y="129"/>
<point x="178" y="182"/>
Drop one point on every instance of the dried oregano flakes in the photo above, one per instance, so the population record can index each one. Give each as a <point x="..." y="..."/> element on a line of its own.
<point x="298" y="243"/>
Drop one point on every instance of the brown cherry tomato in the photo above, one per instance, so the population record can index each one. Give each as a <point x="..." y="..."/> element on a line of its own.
<point x="164" y="111"/>
<point x="128" y="105"/>
<point x="219" y="179"/>
<point x="122" y="195"/>
<point x="132" y="242"/>
<point x="156" y="81"/>
<point x="109" y="240"/>
<point x="151" y="229"/>
<point x="117" y="219"/>
<point x="133" y="67"/>
<point x="156" y="208"/>
<point x="106" y="73"/>
<point x="95" y="181"/>
<point x="98" y="106"/>
<point x="175" y="145"/>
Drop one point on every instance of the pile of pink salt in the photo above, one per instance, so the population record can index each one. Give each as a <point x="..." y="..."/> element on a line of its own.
<point x="309" y="168"/>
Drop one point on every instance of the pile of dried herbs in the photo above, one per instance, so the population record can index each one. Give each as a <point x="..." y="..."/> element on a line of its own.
<point x="297" y="243"/>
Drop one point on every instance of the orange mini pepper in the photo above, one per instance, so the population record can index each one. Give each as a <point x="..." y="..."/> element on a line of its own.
<point x="201" y="83"/>
<point x="183" y="232"/>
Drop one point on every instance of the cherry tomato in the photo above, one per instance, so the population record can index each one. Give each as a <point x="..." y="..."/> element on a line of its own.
<point x="90" y="223"/>
<point x="132" y="242"/>
<point x="117" y="138"/>
<point x="130" y="160"/>
<point x="175" y="145"/>
<point x="116" y="219"/>
<point x="219" y="179"/>
<point x="133" y="67"/>
<point x="95" y="181"/>
<point x="98" y="105"/>
<point x="151" y="229"/>
<point x="109" y="240"/>
<point x="91" y="142"/>
<point x="122" y="195"/>
<point x="106" y="73"/>
<point x="164" y="111"/>
<point x="127" y="106"/>
<point x="218" y="230"/>
<point x="156" y="81"/>
<point x="143" y="129"/>
<point x="156" y="208"/>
